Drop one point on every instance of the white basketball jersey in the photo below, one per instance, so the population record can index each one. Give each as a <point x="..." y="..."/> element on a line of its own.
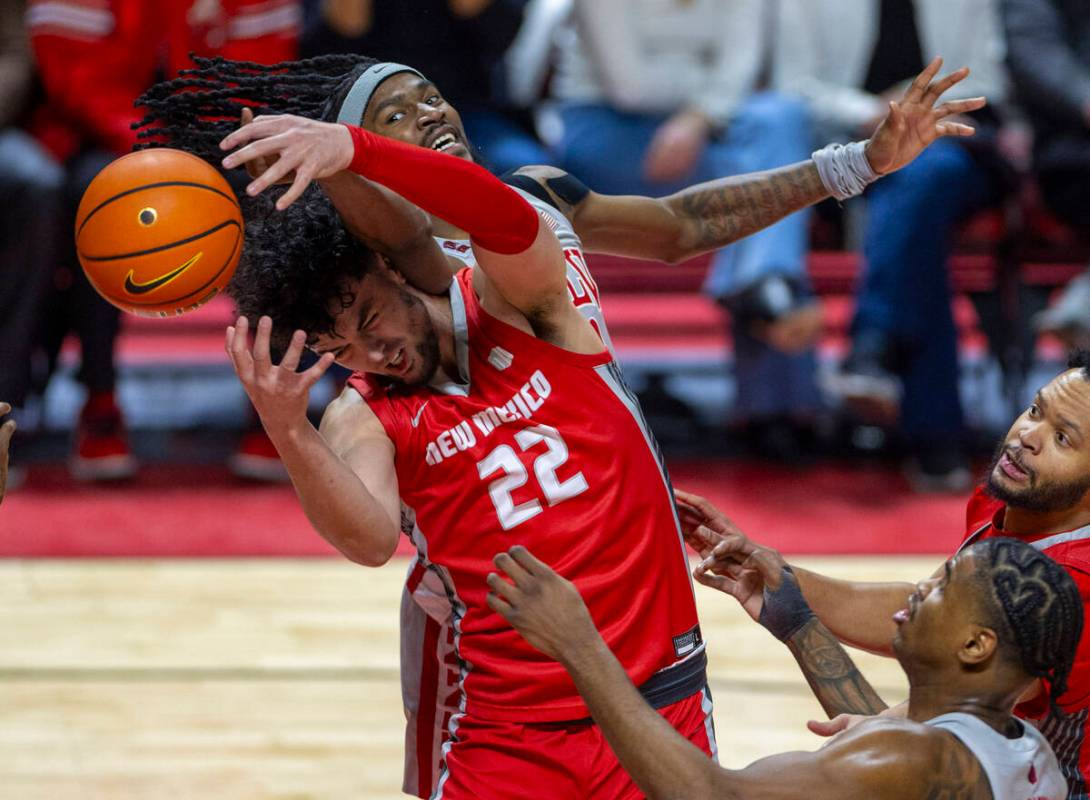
<point x="581" y="286"/>
<point x="1018" y="769"/>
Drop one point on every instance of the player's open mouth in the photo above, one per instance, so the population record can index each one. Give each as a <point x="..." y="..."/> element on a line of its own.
<point x="1012" y="469"/>
<point x="444" y="142"/>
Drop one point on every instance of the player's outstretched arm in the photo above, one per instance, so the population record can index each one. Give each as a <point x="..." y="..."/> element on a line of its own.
<point x="859" y="613"/>
<point x="548" y="611"/>
<point x="714" y="214"/>
<point x="6" y="430"/>
<point x="357" y="513"/>
<point x="768" y="587"/>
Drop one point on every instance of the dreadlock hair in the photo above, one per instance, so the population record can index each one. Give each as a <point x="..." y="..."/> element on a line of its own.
<point x="1033" y="605"/>
<point x="1080" y="359"/>
<point x="296" y="264"/>
<point x="202" y="105"/>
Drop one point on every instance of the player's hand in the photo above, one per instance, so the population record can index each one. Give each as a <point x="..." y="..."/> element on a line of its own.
<point x="260" y="165"/>
<point x="704" y="526"/>
<point x="6" y="430"/>
<point x="676" y="147"/>
<point x="542" y="606"/>
<point x="740" y="568"/>
<point x="916" y="121"/>
<point x="287" y="144"/>
<point x="279" y="393"/>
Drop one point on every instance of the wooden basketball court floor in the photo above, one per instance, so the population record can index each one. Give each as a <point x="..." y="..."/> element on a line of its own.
<point x="276" y="678"/>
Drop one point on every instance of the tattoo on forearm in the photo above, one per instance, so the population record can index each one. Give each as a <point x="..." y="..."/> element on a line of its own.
<point x="831" y="673"/>
<point x="957" y="776"/>
<point x="726" y="210"/>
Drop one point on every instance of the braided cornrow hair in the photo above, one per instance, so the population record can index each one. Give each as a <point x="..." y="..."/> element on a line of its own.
<point x="1080" y="359"/>
<point x="295" y="263"/>
<point x="1037" y="604"/>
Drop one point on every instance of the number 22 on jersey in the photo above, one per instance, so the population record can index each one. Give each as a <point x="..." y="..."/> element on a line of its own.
<point x="503" y="459"/>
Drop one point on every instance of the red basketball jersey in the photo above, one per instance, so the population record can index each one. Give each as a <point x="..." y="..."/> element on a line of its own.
<point x="548" y="449"/>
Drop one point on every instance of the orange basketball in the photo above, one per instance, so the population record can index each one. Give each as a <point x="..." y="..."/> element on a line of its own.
<point x="159" y="232"/>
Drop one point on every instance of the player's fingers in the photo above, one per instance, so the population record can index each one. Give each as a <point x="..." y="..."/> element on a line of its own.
<point x="713" y="581"/>
<point x="317" y="370"/>
<point x="266" y="147"/>
<point x="298" y="186"/>
<point x="257" y="128"/>
<point x="499" y="605"/>
<point x="917" y="88"/>
<point x="703" y="539"/>
<point x="938" y="88"/>
<point x="294" y="351"/>
<point x="262" y="340"/>
<point x="511" y="568"/>
<point x="501" y="587"/>
<point x="529" y="562"/>
<point x="238" y="350"/>
<point x="960" y="107"/>
<point x="954" y="129"/>
<point x="829" y="727"/>
<point x="247" y="116"/>
<point x="277" y="170"/>
<point x="6" y="431"/>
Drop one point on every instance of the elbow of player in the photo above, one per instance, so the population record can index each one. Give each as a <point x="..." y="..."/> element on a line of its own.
<point x="365" y="550"/>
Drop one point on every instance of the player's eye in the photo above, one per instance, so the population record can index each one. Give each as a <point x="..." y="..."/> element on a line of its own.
<point x="397" y="116"/>
<point x="434" y="100"/>
<point x="1034" y="411"/>
<point x="1061" y="439"/>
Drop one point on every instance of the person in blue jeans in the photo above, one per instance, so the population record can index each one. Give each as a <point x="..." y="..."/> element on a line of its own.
<point x="847" y="59"/>
<point x="653" y="99"/>
<point x="904" y="338"/>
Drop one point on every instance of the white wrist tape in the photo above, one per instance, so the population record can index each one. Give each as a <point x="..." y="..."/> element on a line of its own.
<point x="844" y="169"/>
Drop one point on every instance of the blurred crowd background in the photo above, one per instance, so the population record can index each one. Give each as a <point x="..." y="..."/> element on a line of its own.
<point x="904" y="325"/>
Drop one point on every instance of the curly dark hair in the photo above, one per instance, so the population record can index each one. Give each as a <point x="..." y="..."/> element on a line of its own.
<point x="298" y="268"/>
<point x="1033" y="605"/>
<point x="296" y="264"/>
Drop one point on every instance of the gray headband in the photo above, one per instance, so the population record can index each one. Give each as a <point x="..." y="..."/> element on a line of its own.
<point x="359" y="95"/>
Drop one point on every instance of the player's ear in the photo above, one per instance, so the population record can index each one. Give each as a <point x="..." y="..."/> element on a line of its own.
<point x="978" y="645"/>
<point x="384" y="267"/>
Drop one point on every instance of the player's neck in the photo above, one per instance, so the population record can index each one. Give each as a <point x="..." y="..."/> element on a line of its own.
<point x="941" y="695"/>
<point x="444" y="230"/>
<point x="1022" y="522"/>
<point x="442" y="319"/>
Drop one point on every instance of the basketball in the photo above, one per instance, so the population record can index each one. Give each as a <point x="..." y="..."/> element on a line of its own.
<point x="159" y="232"/>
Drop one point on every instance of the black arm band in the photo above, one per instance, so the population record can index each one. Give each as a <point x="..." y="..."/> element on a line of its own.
<point x="785" y="610"/>
<point x="567" y="187"/>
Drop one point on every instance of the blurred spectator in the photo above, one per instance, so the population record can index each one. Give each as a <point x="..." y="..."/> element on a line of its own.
<point x="655" y="96"/>
<point x="31" y="184"/>
<point x="95" y="60"/>
<point x="6" y="430"/>
<point x="848" y="58"/>
<point x="458" y="43"/>
<point x="1048" y="43"/>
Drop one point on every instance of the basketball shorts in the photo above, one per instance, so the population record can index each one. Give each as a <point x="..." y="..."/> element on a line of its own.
<point x="491" y="760"/>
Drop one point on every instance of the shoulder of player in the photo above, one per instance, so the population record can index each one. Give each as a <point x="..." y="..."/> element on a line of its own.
<point x="914" y="759"/>
<point x="560" y="189"/>
<point x="349" y="421"/>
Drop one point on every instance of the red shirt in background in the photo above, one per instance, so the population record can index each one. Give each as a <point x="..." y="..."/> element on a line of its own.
<point x="96" y="57"/>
